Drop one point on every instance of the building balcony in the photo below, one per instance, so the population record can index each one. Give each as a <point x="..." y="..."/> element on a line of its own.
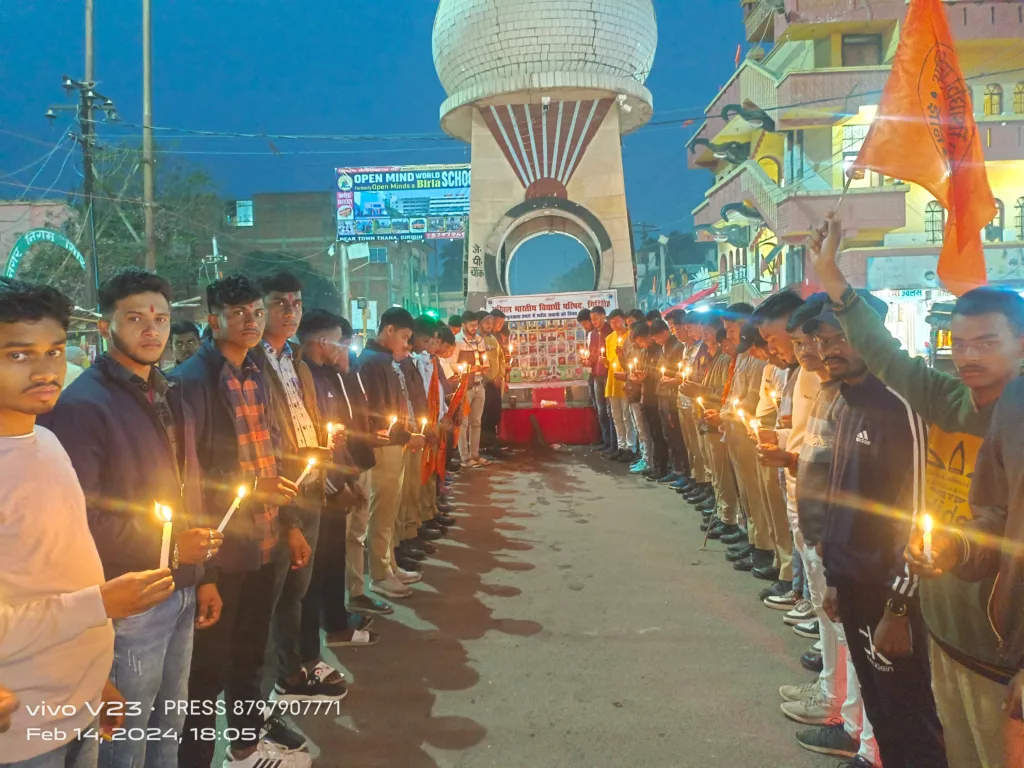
<point x="789" y="211"/>
<point x="798" y="17"/>
<point x="828" y="94"/>
<point x="759" y="19"/>
<point x="1002" y="136"/>
<point x="914" y="267"/>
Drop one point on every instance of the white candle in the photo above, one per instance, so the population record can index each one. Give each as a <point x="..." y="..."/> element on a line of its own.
<point x="394" y="420"/>
<point x="305" y="473"/>
<point x="423" y="426"/>
<point x="740" y="414"/>
<point x="242" y="492"/>
<point x="663" y="370"/>
<point x="700" y="402"/>
<point x="926" y="525"/>
<point x="164" y="513"/>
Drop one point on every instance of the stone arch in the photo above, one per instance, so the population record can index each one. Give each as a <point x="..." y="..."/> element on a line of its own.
<point x="539" y="216"/>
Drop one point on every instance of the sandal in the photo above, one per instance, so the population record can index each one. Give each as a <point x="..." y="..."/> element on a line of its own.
<point x="355" y="637"/>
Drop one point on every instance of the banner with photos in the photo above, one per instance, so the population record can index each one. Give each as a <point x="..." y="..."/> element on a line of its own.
<point x="545" y="337"/>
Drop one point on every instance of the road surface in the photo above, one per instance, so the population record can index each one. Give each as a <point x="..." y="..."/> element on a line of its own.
<point x="570" y="620"/>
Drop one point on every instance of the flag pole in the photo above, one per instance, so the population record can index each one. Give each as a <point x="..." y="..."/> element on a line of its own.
<point x="842" y="197"/>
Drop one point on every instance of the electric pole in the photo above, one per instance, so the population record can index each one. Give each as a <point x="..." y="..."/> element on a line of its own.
<point x="147" y="135"/>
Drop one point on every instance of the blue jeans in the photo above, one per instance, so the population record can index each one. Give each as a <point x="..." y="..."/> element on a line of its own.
<point x="80" y="753"/>
<point x="152" y="657"/>
<point x="604" y="417"/>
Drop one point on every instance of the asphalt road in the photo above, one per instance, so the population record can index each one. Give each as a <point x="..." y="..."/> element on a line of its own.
<point x="571" y="620"/>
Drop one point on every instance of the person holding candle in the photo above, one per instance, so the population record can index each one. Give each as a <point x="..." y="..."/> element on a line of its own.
<point x="130" y="439"/>
<point x="385" y="401"/>
<point x="325" y="339"/>
<point x="969" y="672"/>
<point x="643" y="337"/>
<point x="595" y="351"/>
<point x="471" y="351"/>
<point x="413" y="527"/>
<point x="225" y="388"/>
<point x="56" y="639"/>
<point x="494" y="380"/>
<point x="615" y="384"/>
<point x="697" y="488"/>
<point x="668" y="387"/>
<point x="875" y="492"/>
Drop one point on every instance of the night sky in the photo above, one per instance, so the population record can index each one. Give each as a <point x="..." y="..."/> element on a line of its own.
<point x="267" y="67"/>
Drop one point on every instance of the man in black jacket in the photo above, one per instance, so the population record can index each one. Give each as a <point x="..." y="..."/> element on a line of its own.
<point x="325" y="339"/>
<point x="875" y="490"/>
<point x="389" y="418"/>
<point x="224" y="387"/>
<point x="130" y="439"/>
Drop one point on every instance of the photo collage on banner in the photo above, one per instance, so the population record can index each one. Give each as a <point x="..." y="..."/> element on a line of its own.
<point x="546" y="339"/>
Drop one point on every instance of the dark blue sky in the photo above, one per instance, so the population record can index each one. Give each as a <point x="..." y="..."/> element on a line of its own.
<point x="266" y="66"/>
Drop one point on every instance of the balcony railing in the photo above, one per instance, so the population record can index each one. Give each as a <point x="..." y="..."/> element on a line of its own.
<point x="760" y="21"/>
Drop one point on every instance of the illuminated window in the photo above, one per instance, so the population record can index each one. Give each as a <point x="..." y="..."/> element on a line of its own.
<point x="1018" y="99"/>
<point x="934" y="222"/>
<point x="993" y="99"/>
<point x="1018" y="218"/>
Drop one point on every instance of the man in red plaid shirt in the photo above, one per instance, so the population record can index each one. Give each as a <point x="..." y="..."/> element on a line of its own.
<point x="235" y="443"/>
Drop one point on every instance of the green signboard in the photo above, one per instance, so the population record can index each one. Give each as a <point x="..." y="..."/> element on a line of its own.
<point x="34" y="236"/>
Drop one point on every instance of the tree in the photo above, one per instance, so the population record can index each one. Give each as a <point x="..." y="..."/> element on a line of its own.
<point x="188" y="214"/>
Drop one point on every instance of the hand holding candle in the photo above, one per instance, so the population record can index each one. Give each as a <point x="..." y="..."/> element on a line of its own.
<point x="305" y="473"/>
<point x="164" y="514"/>
<point x="241" y="494"/>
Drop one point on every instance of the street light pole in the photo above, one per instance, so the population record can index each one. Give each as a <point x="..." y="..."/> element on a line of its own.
<point x="147" y="135"/>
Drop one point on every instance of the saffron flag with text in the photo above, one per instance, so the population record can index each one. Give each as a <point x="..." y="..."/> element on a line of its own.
<point x="924" y="133"/>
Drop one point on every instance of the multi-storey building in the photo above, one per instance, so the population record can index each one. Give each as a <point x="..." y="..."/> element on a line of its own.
<point x="778" y="136"/>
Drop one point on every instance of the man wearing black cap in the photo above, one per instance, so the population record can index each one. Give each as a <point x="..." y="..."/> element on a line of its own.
<point x="875" y="491"/>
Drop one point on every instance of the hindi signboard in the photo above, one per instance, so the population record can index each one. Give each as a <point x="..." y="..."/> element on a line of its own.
<point x="546" y="337"/>
<point x="405" y="202"/>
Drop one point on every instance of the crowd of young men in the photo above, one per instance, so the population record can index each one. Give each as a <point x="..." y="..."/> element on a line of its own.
<point x="160" y="532"/>
<point x="819" y="450"/>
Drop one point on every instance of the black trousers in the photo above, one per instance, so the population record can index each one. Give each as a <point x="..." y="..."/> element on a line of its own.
<point x="324" y="603"/>
<point x="897" y="692"/>
<point x="653" y="418"/>
<point x="229" y="657"/>
<point x="491" y="417"/>
<point x="679" y="459"/>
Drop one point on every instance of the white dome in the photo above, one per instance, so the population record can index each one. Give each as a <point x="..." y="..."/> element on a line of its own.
<point x="486" y="48"/>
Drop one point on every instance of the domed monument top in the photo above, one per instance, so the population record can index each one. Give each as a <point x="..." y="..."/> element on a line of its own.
<point x="484" y="49"/>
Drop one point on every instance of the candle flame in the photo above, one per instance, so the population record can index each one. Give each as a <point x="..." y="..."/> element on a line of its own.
<point x="164" y="512"/>
<point x="927" y="523"/>
<point x="775" y="395"/>
<point x="735" y="402"/>
<point x="394" y="419"/>
<point x="242" y="492"/>
<point x="311" y="462"/>
<point x="700" y="400"/>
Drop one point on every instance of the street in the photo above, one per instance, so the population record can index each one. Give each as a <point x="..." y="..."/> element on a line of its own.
<point x="570" y="620"/>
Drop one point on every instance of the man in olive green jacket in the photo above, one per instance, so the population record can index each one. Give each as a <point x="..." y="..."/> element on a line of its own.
<point x="968" y="679"/>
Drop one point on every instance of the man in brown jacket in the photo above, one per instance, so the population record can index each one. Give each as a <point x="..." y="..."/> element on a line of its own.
<point x="301" y="438"/>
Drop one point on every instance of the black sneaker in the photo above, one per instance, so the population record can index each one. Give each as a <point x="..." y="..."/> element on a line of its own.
<point x="312" y="688"/>
<point x="275" y="730"/>
<point x="743" y="564"/>
<point x="407" y="563"/>
<point x="829" y="740"/>
<point x="734" y="556"/>
<point x="766" y="573"/>
<point x="367" y="605"/>
<point x="446" y="520"/>
<point x="811" y="661"/>
<point x="735" y="538"/>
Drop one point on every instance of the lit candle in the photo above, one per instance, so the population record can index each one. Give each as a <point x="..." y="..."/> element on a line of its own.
<point x="615" y="366"/>
<point x="305" y="473"/>
<point x="926" y="525"/>
<point x="602" y="351"/>
<point x="663" y="371"/>
<point x="740" y="414"/>
<point x="330" y="434"/>
<point x="735" y="402"/>
<point x="688" y="370"/>
<point x="755" y="425"/>
<point x="631" y="368"/>
<point x="242" y="492"/>
<point x="462" y="368"/>
<point x="775" y="397"/>
<point x="394" y="420"/>
<point x="700" y="402"/>
<point x="164" y="513"/>
<point x="680" y="367"/>
<point x="423" y="426"/>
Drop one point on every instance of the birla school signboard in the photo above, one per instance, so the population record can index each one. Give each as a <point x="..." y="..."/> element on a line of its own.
<point x="405" y="202"/>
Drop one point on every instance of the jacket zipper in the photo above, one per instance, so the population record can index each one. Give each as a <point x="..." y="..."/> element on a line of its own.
<point x="990" y="616"/>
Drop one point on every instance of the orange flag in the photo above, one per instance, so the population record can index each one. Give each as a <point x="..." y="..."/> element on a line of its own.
<point x="925" y="133"/>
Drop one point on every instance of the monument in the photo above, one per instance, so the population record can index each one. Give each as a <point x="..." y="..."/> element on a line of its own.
<point x="543" y="90"/>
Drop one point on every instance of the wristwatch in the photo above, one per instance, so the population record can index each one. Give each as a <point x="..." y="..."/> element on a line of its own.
<point x="896" y="608"/>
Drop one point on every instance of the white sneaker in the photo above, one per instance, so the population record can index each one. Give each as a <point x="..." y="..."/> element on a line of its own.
<point x="800" y="692"/>
<point x="407" y="577"/>
<point x="390" y="587"/>
<point x="268" y="755"/>
<point x="802" y="611"/>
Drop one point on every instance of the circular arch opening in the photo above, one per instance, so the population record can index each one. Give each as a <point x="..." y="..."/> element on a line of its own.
<point x="550" y="262"/>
